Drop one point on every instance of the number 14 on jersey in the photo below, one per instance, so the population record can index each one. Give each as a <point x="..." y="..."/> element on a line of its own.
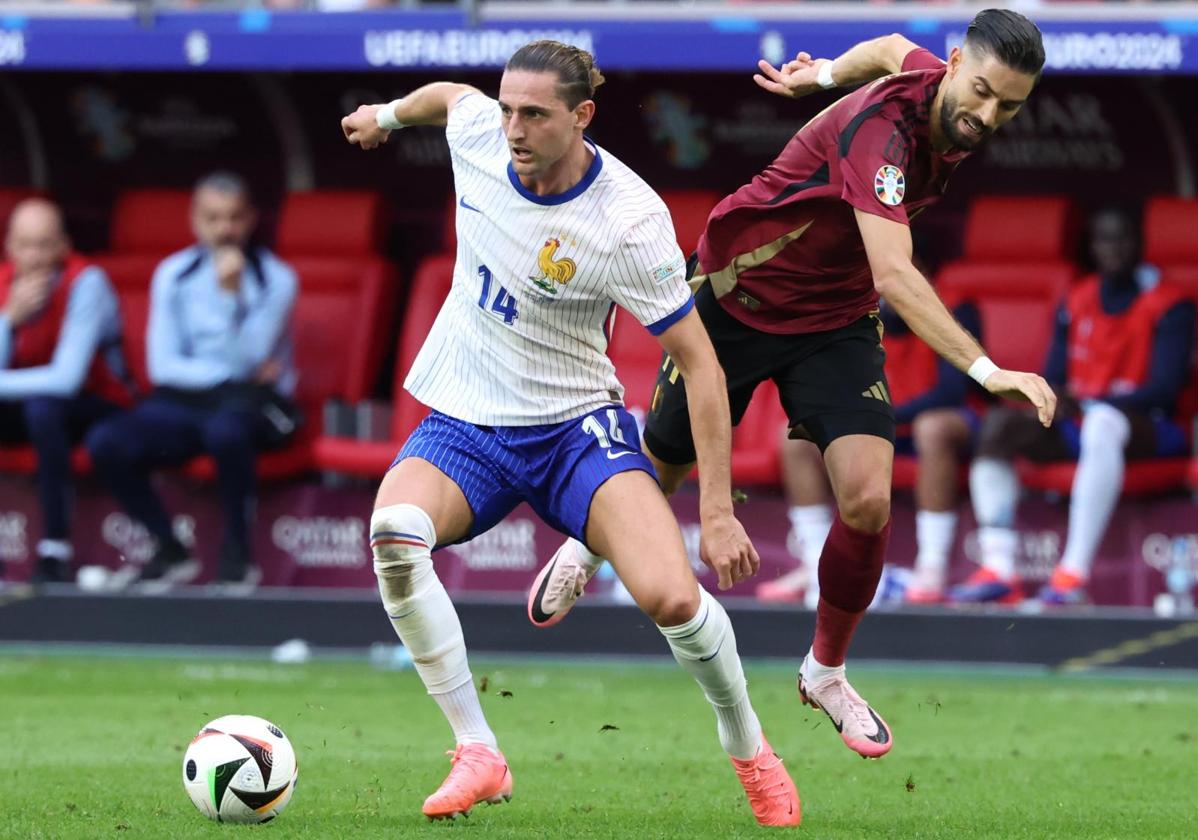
<point x="503" y="304"/>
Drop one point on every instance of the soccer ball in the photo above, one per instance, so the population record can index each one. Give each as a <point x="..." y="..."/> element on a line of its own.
<point x="240" y="769"/>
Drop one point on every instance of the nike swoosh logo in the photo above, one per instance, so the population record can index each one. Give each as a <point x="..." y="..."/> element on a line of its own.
<point x="462" y="203"/>
<point x="611" y="456"/>
<point x="537" y="613"/>
<point x="882" y="736"/>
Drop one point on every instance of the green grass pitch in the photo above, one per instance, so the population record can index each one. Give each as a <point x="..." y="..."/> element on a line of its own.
<point x="92" y="747"/>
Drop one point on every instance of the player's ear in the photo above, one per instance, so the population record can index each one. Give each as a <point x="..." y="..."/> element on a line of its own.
<point x="584" y="113"/>
<point x="955" y="57"/>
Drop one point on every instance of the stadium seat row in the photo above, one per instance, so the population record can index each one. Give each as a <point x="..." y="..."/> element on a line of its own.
<point x="1017" y="261"/>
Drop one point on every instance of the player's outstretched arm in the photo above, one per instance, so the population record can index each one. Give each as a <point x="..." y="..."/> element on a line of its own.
<point x="724" y="546"/>
<point x="888" y="246"/>
<point x="865" y="62"/>
<point x="371" y="125"/>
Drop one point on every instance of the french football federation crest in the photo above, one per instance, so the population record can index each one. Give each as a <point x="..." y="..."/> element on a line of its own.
<point x="552" y="269"/>
<point x="890" y="185"/>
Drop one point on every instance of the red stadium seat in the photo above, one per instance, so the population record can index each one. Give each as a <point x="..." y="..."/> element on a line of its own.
<point x="371" y="458"/>
<point x="757" y="439"/>
<point x="332" y="223"/>
<point x="333" y="239"/>
<point x="147" y="226"/>
<point x="135" y="313"/>
<point x="449" y="229"/>
<point x="689" y="210"/>
<point x="637" y="357"/>
<point x="151" y="221"/>
<point x="1019" y="229"/>
<point x="1141" y="478"/>
<point x="1016" y="304"/>
<point x="1169" y="232"/>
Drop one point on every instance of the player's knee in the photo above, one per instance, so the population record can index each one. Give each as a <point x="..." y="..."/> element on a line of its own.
<point x="401" y="540"/>
<point x="1104" y="427"/>
<point x="999" y="433"/>
<point x="933" y="431"/>
<point x="674" y="606"/>
<point x="868" y="509"/>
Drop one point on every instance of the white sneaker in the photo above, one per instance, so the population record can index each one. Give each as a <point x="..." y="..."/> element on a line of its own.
<point x="860" y="727"/>
<point x="558" y="586"/>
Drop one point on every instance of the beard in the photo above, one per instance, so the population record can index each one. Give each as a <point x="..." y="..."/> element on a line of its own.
<point x="949" y="118"/>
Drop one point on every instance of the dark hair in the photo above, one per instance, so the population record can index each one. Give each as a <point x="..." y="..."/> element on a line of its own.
<point x="1010" y="37"/>
<point x="577" y="75"/>
<point x="223" y="181"/>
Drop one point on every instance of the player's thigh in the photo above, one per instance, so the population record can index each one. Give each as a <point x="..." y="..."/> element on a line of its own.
<point x="746" y="356"/>
<point x="838" y="386"/>
<point x="631" y="524"/>
<point x="414" y="481"/>
<point x="860" y="469"/>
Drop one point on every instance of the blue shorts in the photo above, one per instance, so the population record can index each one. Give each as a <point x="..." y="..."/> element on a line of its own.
<point x="555" y="468"/>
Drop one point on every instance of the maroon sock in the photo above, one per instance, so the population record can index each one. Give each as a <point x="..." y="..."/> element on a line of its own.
<point x="849" y="570"/>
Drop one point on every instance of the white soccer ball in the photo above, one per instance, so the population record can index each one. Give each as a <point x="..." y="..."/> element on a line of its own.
<point x="240" y="769"/>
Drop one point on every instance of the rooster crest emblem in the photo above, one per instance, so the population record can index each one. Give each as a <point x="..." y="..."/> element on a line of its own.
<point x="553" y="270"/>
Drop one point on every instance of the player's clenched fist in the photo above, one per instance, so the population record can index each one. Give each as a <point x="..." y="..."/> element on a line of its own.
<point x="362" y="127"/>
<point x="727" y="550"/>
<point x="1014" y="384"/>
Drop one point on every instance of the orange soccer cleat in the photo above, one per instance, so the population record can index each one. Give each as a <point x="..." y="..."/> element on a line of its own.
<point x="479" y="774"/>
<point x="772" y="793"/>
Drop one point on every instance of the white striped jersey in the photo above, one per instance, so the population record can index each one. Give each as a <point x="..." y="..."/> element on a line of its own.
<point x="521" y="339"/>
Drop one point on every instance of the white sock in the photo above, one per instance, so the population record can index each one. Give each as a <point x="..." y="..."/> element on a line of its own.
<point x="994" y="490"/>
<point x="401" y="538"/>
<point x="585" y="556"/>
<point x="934" y="533"/>
<point x="998" y="547"/>
<point x="815" y="672"/>
<point x="1096" y="485"/>
<point x="465" y="714"/>
<point x="706" y="647"/>
<point x="811" y="523"/>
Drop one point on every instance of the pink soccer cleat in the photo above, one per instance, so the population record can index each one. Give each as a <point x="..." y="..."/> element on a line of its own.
<point x="860" y="727"/>
<point x="558" y="586"/>
<point x="772" y="793"/>
<point x="479" y="774"/>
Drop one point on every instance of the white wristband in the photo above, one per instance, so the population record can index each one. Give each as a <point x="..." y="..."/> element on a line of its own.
<point x="981" y="369"/>
<point x="385" y="116"/>
<point x="824" y="76"/>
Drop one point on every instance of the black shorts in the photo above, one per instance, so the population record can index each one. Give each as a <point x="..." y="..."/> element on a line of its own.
<point x="831" y="383"/>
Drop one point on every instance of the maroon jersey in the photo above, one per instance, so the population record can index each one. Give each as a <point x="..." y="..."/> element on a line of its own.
<point x="783" y="253"/>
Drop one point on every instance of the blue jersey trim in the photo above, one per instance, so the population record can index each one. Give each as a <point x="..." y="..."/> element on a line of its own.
<point x="559" y="198"/>
<point x="658" y="327"/>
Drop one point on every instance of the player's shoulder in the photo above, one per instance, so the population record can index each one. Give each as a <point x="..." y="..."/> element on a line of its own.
<point x="627" y="201"/>
<point x="472" y="113"/>
<point x="179" y="263"/>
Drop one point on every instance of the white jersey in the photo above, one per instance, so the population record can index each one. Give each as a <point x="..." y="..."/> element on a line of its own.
<point x="521" y="339"/>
